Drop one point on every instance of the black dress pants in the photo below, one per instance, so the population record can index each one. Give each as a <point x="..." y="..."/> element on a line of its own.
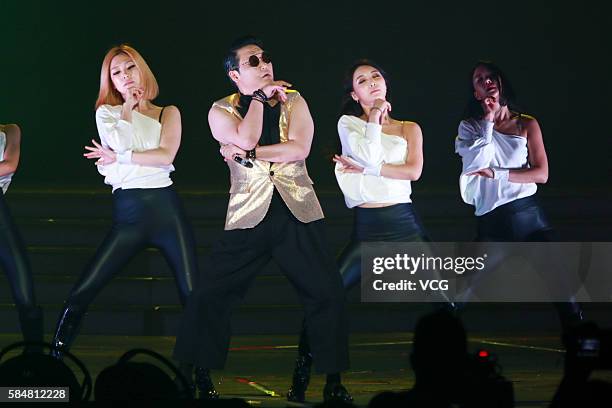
<point x="302" y="252"/>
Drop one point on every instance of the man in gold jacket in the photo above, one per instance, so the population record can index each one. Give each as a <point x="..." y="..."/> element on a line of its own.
<point x="265" y="132"/>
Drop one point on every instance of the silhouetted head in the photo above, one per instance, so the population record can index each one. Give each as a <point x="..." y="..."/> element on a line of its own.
<point x="440" y="349"/>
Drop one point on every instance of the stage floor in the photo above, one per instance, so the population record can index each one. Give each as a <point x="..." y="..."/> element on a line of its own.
<point x="259" y="366"/>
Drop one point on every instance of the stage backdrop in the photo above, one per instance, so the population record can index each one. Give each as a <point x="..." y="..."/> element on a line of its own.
<point x="558" y="57"/>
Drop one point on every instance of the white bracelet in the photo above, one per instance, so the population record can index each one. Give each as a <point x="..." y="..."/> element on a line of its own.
<point x="500" y="174"/>
<point x="372" y="171"/>
<point x="125" y="157"/>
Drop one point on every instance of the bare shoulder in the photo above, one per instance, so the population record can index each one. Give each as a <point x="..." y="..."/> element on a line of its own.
<point x="526" y="119"/>
<point x="171" y="109"/>
<point x="529" y="123"/>
<point x="411" y="129"/>
<point x="11" y="129"/>
<point x="169" y="112"/>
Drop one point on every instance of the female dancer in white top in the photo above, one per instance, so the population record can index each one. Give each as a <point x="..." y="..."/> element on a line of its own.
<point x="503" y="157"/>
<point x="380" y="157"/>
<point x="139" y="142"/>
<point x="13" y="255"/>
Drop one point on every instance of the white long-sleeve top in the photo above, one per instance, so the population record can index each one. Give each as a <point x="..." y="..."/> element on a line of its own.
<point x="367" y="145"/>
<point x="143" y="133"/>
<point x="481" y="146"/>
<point x="6" y="179"/>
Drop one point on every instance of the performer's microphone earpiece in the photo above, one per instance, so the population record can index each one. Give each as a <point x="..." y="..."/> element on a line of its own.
<point x="243" y="161"/>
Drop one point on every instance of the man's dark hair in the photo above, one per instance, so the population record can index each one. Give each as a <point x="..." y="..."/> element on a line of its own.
<point x="230" y="62"/>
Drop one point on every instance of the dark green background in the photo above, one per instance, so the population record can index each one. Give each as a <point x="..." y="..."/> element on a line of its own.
<point x="558" y="57"/>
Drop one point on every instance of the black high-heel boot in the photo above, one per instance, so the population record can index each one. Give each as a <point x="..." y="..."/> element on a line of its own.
<point x="205" y="385"/>
<point x="301" y="378"/>
<point x="301" y="371"/>
<point x="66" y="331"/>
<point x="31" y="320"/>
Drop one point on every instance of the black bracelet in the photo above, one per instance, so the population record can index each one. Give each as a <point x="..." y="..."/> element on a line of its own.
<point x="250" y="154"/>
<point x="260" y="96"/>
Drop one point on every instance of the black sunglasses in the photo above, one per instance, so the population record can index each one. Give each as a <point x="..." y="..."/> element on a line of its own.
<point x="253" y="60"/>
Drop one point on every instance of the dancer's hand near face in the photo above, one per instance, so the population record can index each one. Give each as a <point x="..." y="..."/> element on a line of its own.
<point x="379" y="111"/>
<point x="133" y="97"/>
<point x="490" y="106"/>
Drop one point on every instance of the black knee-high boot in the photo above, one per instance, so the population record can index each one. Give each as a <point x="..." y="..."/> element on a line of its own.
<point x="301" y="371"/>
<point x="204" y="383"/>
<point x="333" y="391"/>
<point x="31" y="320"/>
<point x="67" y="329"/>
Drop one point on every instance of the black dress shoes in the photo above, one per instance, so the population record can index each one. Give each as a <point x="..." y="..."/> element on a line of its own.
<point x="336" y="392"/>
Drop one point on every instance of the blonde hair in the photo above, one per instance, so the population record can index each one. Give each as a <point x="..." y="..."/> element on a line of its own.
<point x="108" y="94"/>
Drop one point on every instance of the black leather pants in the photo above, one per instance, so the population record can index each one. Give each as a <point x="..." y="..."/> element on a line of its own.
<point x="524" y="220"/>
<point x="141" y="218"/>
<point x="395" y="223"/>
<point x="15" y="263"/>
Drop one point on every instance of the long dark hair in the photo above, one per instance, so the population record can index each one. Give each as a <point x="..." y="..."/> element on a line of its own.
<point x="349" y="106"/>
<point x="507" y="97"/>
